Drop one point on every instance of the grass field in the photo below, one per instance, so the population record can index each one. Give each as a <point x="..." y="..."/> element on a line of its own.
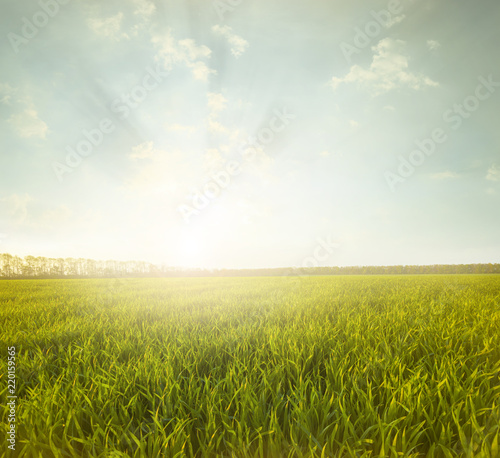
<point x="264" y="367"/>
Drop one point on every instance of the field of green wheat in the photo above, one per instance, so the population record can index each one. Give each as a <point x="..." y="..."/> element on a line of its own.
<point x="254" y="367"/>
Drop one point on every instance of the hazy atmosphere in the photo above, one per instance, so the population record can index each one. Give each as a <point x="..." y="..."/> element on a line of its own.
<point x="249" y="133"/>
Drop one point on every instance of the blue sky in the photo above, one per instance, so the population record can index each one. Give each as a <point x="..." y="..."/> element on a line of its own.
<point x="238" y="133"/>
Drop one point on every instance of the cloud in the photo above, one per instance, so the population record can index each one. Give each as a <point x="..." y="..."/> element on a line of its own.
<point x="328" y="153"/>
<point x="238" y="44"/>
<point x="168" y="50"/>
<point x="433" y="44"/>
<point x="163" y="174"/>
<point x="27" y="124"/>
<point x="201" y="71"/>
<point x="176" y="127"/>
<point x="214" y="160"/>
<point x="216" y="102"/>
<point x="444" y="175"/>
<point x="247" y="211"/>
<point x="192" y="51"/>
<point x="216" y="126"/>
<point x="395" y="20"/>
<point x="388" y="71"/>
<point x="186" y="52"/>
<point x="6" y="92"/>
<point x="143" y="151"/>
<point x="493" y="173"/>
<point x="108" y="27"/>
<point x="144" y="8"/>
<point x="55" y="216"/>
<point x="25" y="211"/>
<point x="16" y="206"/>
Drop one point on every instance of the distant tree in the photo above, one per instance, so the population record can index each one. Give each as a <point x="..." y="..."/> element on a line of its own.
<point x="30" y="266"/>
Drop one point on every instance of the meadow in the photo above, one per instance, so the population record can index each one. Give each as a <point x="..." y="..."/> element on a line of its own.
<point x="254" y="367"/>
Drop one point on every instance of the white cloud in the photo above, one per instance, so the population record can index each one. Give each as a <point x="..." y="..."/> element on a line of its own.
<point x="55" y="216"/>
<point x="168" y="49"/>
<point x="25" y="211"/>
<point x="16" y="206"/>
<point x="335" y="154"/>
<point x="247" y="211"/>
<point x="238" y="44"/>
<point x="176" y="127"/>
<point x="433" y="44"/>
<point x="187" y="52"/>
<point x="388" y="70"/>
<point x="395" y="20"/>
<point x="214" y="159"/>
<point x="143" y="151"/>
<point x="144" y="8"/>
<point x="27" y="124"/>
<point x="162" y="176"/>
<point x="216" y="126"/>
<point x="216" y="102"/>
<point x="493" y="173"/>
<point x="201" y="71"/>
<point x="6" y="91"/>
<point x="192" y="51"/>
<point x="108" y="27"/>
<point x="444" y="175"/>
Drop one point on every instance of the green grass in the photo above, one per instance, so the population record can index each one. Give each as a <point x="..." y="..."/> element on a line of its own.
<point x="262" y="367"/>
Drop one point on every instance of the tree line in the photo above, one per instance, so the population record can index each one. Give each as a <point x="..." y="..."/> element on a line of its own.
<point x="42" y="267"/>
<point x="31" y="266"/>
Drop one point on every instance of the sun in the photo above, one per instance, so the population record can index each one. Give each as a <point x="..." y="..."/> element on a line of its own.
<point x="189" y="249"/>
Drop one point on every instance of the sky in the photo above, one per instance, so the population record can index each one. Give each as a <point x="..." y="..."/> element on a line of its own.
<point x="249" y="133"/>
